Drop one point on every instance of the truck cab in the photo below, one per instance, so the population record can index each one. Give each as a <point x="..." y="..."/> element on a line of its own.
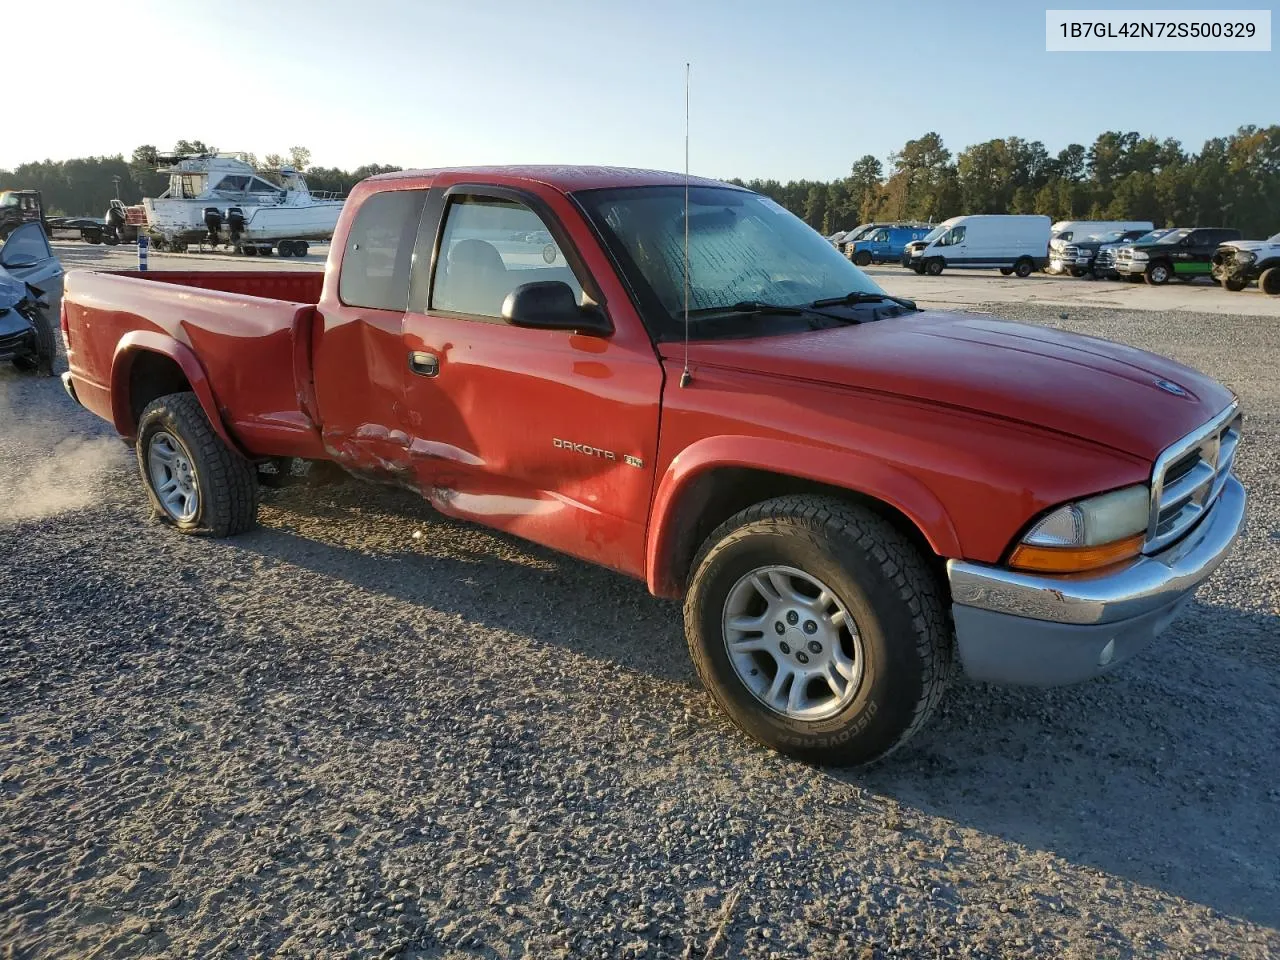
<point x="18" y="207"/>
<point x="1183" y="253"/>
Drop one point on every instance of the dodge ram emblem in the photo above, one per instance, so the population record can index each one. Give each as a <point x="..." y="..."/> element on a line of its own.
<point x="1168" y="386"/>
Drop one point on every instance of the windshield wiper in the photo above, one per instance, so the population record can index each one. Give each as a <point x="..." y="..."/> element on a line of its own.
<point x="758" y="308"/>
<point x="859" y="296"/>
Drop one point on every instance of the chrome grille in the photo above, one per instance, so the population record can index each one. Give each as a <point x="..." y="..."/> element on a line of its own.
<point x="1106" y="258"/>
<point x="1188" y="477"/>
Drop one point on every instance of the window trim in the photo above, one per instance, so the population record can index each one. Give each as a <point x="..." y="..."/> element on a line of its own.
<point x="435" y="214"/>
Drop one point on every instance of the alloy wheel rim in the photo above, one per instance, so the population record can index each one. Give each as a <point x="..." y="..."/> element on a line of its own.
<point x="173" y="476"/>
<point x="792" y="643"/>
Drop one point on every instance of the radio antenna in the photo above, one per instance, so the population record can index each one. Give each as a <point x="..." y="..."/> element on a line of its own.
<point x="685" y="376"/>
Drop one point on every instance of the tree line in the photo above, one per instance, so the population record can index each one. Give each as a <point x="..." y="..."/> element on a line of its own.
<point x="1233" y="181"/>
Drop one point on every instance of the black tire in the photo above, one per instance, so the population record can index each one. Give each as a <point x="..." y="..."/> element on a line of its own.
<point x="934" y="266"/>
<point x="300" y="248"/>
<point x="1158" y="273"/>
<point x="862" y="258"/>
<point x="883" y="583"/>
<point x="1078" y="272"/>
<point x="1006" y="271"/>
<point x="918" y="268"/>
<point x="1023" y="268"/>
<point x="1234" y="284"/>
<point x="227" y="483"/>
<point x="264" y="251"/>
<point x="1269" y="281"/>
<point x="46" y="348"/>
<point x="250" y="251"/>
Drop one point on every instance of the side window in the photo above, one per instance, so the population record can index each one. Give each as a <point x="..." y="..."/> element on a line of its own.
<point x="491" y="246"/>
<point x="956" y="235"/>
<point x="27" y="240"/>
<point x="379" y="252"/>
<point x="880" y="236"/>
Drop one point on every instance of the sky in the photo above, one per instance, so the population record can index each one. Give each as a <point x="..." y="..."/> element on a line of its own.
<point x="786" y="90"/>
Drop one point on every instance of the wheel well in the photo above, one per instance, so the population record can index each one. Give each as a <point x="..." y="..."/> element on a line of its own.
<point x="716" y="495"/>
<point x="153" y="375"/>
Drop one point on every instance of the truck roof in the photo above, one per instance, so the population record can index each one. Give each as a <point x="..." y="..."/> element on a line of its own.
<point x="566" y="179"/>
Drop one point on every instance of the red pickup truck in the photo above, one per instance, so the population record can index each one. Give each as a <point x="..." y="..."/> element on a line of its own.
<point x="846" y="491"/>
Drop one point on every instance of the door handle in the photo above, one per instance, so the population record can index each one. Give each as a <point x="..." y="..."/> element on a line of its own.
<point x="424" y="364"/>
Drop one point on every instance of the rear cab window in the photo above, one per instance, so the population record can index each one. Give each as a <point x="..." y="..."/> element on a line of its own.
<point x="378" y="259"/>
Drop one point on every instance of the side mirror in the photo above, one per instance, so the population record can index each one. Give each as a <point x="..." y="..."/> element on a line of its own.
<point x="552" y="305"/>
<point x="18" y="260"/>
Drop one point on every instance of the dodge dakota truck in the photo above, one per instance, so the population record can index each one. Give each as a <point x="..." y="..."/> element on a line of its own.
<point x="849" y="494"/>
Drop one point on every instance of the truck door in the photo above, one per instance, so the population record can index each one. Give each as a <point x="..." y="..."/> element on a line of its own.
<point x="358" y="359"/>
<point x="546" y="434"/>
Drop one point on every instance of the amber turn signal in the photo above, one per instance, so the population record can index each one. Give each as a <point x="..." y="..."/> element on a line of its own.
<point x="1074" y="559"/>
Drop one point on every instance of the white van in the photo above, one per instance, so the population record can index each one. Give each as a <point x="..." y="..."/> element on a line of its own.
<point x="1015" y="244"/>
<point x="1064" y="231"/>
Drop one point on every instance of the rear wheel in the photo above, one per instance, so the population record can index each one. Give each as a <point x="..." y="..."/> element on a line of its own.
<point x="1269" y="282"/>
<point x="1158" y="273"/>
<point x="300" y="248"/>
<point x="1022" y="269"/>
<point x="195" y="482"/>
<point x="819" y="629"/>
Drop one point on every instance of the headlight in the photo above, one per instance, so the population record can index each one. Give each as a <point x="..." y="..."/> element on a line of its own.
<point x="1087" y="534"/>
<point x="1245" y="256"/>
<point x="1139" y="255"/>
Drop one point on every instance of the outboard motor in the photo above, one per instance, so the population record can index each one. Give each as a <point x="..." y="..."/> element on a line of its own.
<point x="213" y="220"/>
<point x="235" y="223"/>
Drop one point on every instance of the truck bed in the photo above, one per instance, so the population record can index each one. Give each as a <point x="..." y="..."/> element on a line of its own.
<point x="250" y="330"/>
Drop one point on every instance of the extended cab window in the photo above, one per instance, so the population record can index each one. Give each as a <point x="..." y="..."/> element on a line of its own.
<point x="379" y="253"/>
<point x="491" y="246"/>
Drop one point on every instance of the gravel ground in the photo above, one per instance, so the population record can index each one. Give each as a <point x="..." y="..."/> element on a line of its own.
<point x="367" y="731"/>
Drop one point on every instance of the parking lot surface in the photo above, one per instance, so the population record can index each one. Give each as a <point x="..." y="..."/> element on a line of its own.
<point x="365" y="730"/>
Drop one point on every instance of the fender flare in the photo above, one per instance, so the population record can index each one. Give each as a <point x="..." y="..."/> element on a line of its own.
<point x="137" y="342"/>
<point x="858" y="473"/>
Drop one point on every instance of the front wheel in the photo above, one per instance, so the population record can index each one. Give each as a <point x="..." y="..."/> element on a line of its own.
<point x="1006" y="271"/>
<point x="862" y="258"/>
<point x="933" y="267"/>
<point x="1157" y="274"/>
<point x="46" y="347"/>
<point x="819" y="629"/>
<point x="196" y="483"/>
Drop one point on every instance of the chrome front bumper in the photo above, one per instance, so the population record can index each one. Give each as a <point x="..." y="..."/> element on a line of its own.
<point x="1016" y="627"/>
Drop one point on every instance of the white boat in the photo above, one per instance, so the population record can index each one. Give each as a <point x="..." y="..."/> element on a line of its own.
<point x="221" y="199"/>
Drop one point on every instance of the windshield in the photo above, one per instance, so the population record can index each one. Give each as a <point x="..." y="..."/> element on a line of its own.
<point x="935" y="233"/>
<point x="1111" y="236"/>
<point x="1153" y="236"/>
<point x="1275" y="238"/>
<point x="1173" y="236"/>
<point x="8" y="200"/>
<point x="743" y="247"/>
